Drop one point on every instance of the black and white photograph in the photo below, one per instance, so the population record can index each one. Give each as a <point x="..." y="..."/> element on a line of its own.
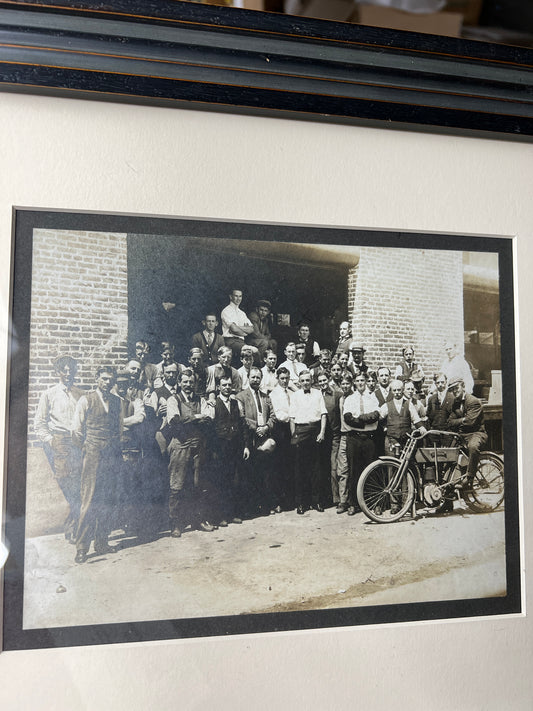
<point x="232" y="427"/>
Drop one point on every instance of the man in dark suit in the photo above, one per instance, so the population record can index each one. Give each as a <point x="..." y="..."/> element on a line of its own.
<point x="230" y="448"/>
<point x="467" y="418"/>
<point x="439" y="404"/>
<point x="208" y="340"/>
<point x="259" y="418"/>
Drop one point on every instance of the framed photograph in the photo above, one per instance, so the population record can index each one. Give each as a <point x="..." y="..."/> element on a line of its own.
<point x="214" y="146"/>
<point x="90" y="290"/>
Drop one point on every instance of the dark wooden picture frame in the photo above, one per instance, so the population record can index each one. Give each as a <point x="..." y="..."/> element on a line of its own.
<point x="188" y="55"/>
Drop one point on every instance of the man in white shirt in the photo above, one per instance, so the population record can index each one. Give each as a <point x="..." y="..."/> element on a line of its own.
<point x="284" y="460"/>
<point x="235" y="324"/>
<point x="269" y="380"/>
<point x="247" y="360"/>
<point x="361" y="413"/>
<point x="402" y="418"/>
<point x="293" y="366"/>
<point x="53" y="422"/>
<point x="455" y="367"/>
<point x="308" y="427"/>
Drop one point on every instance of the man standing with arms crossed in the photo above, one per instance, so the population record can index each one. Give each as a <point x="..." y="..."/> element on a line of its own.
<point x="235" y="325"/>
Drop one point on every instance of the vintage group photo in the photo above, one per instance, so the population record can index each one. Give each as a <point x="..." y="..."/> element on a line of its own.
<point x="230" y="422"/>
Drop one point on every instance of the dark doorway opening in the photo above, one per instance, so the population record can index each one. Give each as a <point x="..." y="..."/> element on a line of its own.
<point x="173" y="281"/>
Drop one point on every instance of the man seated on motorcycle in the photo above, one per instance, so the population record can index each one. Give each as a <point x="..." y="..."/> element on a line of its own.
<point x="467" y="418"/>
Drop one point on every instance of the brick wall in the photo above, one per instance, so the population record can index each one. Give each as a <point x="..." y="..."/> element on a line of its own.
<point x="406" y="296"/>
<point x="79" y="304"/>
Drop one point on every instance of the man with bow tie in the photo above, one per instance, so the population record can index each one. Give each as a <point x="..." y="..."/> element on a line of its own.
<point x="308" y="415"/>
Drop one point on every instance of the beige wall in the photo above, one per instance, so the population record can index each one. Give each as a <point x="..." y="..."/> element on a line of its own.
<point x="94" y="156"/>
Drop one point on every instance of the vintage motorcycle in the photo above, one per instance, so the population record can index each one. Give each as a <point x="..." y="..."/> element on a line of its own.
<point x="431" y="470"/>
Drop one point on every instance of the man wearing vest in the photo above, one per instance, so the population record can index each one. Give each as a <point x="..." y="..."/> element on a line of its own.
<point x="262" y="480"/>
<point x="401" y="418"/>
<point x="230" y="448"/>
<point x="188" y="418"/>
<point x="208" y="340"/>
<point x="308" y="416"/>
<point x="96" y="429"/>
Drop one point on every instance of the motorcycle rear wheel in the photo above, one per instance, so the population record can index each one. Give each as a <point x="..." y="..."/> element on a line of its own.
<point x="375" y="501"/>
<point x="485" y="489"/>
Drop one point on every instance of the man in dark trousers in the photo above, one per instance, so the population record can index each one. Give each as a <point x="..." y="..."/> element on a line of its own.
<point x="467" y="418"/>
<point x="440" y="404"/>
<point x="329" y="448"/>
<point x="261" y="337"/>
<point x="263" y="481"/>
<point x="96" y="429"/>
<point x="230" y="449"/>
<point x="188" y="418"/>
<point x="208" y="340"/>
<point x="308" y="417"/>
<point x="53" y="422"/>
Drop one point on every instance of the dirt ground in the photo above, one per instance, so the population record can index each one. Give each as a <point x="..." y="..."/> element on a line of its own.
<point x="270" y="564"/>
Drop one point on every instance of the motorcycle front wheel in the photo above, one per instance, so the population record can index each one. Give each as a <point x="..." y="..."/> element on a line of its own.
<point x="485" y="489"/>
<point x="374" y="497"/>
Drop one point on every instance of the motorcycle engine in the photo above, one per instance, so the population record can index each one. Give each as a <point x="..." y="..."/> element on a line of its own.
<point x="432" y="494"/>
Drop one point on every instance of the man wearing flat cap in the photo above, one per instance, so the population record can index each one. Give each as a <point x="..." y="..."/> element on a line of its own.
<point x="53" y="426"/>
<point x="357" y="363"/>
<point x="261" y="337"/>
<point x="467" y="418"/>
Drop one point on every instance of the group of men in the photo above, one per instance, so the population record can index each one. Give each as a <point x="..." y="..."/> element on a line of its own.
<point x="161" y="447"/>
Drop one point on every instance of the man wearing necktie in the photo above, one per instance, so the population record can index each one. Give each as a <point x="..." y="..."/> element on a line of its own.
<point x="308" y="428"/>
<point x="256" y="408"/>
<point x="208" y="340"/>
<point x="231" y="448"/>
<point x="439" y="404"/>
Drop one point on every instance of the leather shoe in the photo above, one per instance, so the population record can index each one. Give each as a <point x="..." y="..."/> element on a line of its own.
<point x="318" y="507"/>
<point x="351" y="510"/>
<point x="175" y="533"/>
<point x="206" y="526"/>
<point x="300" y="510"/>
<point x="341" y="508"/>
<point x="223" y="523"/>
<point x="81" y="557"/>
<point x="236" y="520"/>
<point x="102" y="550"/>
